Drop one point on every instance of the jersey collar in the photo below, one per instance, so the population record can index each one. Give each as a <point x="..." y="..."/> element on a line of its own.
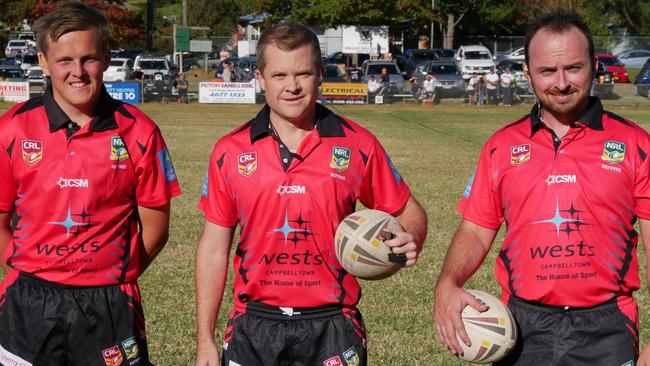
<point x="328" y="124"/>
<point x="104" y="115"/>
<point x="592" y="118"/>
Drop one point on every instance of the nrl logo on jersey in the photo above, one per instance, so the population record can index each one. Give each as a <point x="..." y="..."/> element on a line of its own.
<point x="130" y="347"/>
<point x="32" y="151"/>
<point x="118" y="149"/>
<point x="340" y="158"/>
<point x="519" y="154"/>
<point x="613" y="152"/>
<point x="247" y="163"/>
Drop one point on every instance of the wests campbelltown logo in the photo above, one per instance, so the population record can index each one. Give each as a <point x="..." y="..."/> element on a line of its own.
<point x="519" y="154"/>
<point x="32" y="151"/>
<point x="247" y="163"/>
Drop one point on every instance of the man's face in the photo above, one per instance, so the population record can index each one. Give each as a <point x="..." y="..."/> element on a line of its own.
<point x="560" y="71"/>
<point x="76" y="63"/>
<point x="290" y="81"/>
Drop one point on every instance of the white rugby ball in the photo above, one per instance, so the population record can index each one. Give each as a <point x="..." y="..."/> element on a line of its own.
<point x="493" y="333"/>
<point x="360" y="248"/>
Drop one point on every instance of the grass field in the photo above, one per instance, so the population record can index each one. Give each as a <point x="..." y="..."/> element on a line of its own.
<point x="435" y="149"/>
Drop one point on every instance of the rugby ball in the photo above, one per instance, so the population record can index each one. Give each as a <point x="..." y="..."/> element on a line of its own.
<point x="493" y="333"/>
<point x="360" y="248"/>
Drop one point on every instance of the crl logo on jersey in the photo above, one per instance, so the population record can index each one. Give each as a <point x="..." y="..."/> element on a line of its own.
<point x="566" y="178"/>
<point x="613" y="152"/>
<point x="247" y="163"/>
<point x="112" y="356"/>
<point x="118" y="149"/>
<point x="333" y="361"/>
<point x="32" y="151"/>
<point x="340" y="158"/>
<point x="519" y="154"/>
<point x="282" y="190"/>
<point x="72" y="183"/>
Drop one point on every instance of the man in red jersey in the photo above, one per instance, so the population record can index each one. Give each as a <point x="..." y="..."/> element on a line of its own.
<point x="88" y="181"/>
<point x="570" y="180"/>
<point x="287" y="178"/>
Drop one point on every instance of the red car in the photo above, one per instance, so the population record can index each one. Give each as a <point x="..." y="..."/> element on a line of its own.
<point x="619" y="73"/>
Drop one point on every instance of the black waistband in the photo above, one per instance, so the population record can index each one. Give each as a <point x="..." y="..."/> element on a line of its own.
<point x="32" y="279"/>
<point x="287" y="313"/>
<point x="517" y="301"/>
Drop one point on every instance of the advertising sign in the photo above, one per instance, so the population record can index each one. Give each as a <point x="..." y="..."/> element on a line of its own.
<point x="125" y="92"/>
<point x="368" y="40"/>
<point x="344" y="93"/>
<point x="235" y="93"/>
<point x="14" y="91"/>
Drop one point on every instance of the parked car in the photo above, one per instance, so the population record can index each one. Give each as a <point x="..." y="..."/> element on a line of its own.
<point x="35" y="74"/>
<point x="374" y="67"/>
<point x="413" y="57"/>
<point x="450" y="82"/>
<point x="634" y="59"/>
<point x="132" y="54"/>
<point x="332" y="74"/>
<point x="119" y="70"/>
<point x="12" y="73"/>
<point x="246" y="67"/>
<point x="447" y="54"/>
<point x="15" y="45"/>
<point x="345" y="58"/>
<point x="613" y="65"/>
<point x="30" y="37"/>
<point x="30" y="59"/>
<point x="642" y="83"/>
<point x="474" y="59"/>
<point x="603" y="84"/>
<point x="150" y="64"/>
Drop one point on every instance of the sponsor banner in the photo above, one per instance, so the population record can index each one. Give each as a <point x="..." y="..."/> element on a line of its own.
<point x="345" y="93"/>
<point x="365" y="39"/>
<point x="125" y="92"/>
<point x="14" y="91"/>
<point x="235" y="93"/>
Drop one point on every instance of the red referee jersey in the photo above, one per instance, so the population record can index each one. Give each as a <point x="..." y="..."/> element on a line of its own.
<point x="569" y="206"/>
<point x="75" y="197"/>
<point x="285" y="256"/>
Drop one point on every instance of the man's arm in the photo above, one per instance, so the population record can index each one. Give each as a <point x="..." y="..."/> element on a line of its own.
<point x="5" y="237"/>
<point x="211" y="271"/>
<point x="414" y="221"/>
<point x="468" y="248"/>
<point x="644" y="227"/>
<point x="154" y="224"/>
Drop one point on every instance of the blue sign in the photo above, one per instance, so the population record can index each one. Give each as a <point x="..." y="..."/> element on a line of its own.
<point x="125" y="92"/>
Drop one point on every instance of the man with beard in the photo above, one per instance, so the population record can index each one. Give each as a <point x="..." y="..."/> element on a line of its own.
<point x="570" y="180"/>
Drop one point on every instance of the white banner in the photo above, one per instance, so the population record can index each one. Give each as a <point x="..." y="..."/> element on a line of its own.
<point x="14" y="91"/>
<point x="362" y="39"/>
<point x="236" y="93"/>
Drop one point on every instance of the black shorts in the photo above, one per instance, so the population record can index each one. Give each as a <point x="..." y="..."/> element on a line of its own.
<point x="557" y="336"/>
<point x="49" y="324"/>
<point x="266" y="335"/>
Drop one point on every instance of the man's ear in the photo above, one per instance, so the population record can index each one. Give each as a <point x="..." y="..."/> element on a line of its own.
<point x="260" y="79"/>
<point x="526" y="71"/>
<point x="42" y="62"/>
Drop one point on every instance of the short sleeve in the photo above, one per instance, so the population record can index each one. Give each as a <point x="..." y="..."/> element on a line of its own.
<point x="217" y="201"/>
<point x="642" y="180"/>
<point x="382" y="186"/>
<point x="480" y="203"/>
<point x="157" y="181"/>
<point x="7" y="183"/>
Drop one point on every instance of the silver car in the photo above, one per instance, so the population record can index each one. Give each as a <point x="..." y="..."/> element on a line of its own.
<point x="375" y="67"/>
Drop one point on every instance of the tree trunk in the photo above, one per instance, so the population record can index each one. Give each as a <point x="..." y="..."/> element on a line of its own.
<point x="449" y="34"/>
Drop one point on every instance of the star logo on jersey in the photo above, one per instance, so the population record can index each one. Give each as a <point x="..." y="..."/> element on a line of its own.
<point x="613" y="152"/>
<point x="32" y="151"/>
<point x="340" y="158"/>
<point x="519" y="154"/>
<point x="118" y="149"/>
<point x="247" y="163"/>
<point x="112" y="356"/>
<point x="69" y="222"/>
<point x="293" y="230"/>
<point x="571" y="221"/>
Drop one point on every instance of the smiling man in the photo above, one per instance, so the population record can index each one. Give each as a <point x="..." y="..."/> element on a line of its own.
<point x="287" y="178"/>
<point x="88" y="181"/>
<point x="570" y="180"/>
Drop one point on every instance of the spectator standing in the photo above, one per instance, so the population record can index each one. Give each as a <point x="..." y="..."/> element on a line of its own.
<point x="227" y="73"/>
<point x="491" y="86"/>
<point x="181" y="88"/>
<point x="429" y="86"/>
<point x="506" y="86"/>
<point x="385" y="81"/>
<point x="373" y="88"/>
<point x="473" y="84"/>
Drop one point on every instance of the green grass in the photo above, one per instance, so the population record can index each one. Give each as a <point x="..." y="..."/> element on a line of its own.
<point x="435" y="149"/>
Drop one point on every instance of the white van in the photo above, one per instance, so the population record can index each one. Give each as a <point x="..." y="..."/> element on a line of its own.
<point x="474" y="59"/>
